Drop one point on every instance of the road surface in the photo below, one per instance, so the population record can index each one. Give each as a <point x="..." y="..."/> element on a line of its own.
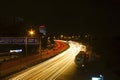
<point x="53" y="68"/>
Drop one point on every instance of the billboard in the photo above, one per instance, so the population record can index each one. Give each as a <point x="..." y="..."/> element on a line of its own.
<point x="42" y="29"/>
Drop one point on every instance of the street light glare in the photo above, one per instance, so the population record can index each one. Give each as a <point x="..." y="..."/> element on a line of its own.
<point x="31" y="32"/>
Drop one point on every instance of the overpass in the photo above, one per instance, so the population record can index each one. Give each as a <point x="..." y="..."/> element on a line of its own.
<point x="19" y="40"/>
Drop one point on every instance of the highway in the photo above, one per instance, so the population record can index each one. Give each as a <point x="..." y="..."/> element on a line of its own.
<point x="52" y="68"/>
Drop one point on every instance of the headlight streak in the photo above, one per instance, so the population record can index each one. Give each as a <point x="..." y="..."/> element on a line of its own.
<point x="59" y="72"/>
<point x="46" y="68"/>
<point x="48" y="71"/>
<point x="62" y="69"/>
<point x="52" y="68"/>
<point x="39" y="66"/>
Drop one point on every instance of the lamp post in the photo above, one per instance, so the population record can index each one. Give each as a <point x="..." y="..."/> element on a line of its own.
<point x="31" y="33"/>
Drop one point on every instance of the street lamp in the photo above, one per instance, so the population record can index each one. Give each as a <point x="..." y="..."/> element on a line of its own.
<point x="31" y="33"/>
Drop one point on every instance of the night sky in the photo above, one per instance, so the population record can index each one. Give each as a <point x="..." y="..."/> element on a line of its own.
<point x="67" y="16"/>
<point x="100" y="18"/>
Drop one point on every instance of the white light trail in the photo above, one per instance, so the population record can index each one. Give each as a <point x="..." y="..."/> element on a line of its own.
<point x="52" y="68"/>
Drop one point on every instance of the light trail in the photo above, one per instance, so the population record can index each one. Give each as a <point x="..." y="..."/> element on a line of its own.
<point x="52" y="68"/>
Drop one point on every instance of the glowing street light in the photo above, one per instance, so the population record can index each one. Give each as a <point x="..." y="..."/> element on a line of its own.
<point x="31" y="32"/>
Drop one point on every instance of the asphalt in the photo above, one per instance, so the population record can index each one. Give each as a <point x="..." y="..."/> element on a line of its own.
<point x="11" y="67"/>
